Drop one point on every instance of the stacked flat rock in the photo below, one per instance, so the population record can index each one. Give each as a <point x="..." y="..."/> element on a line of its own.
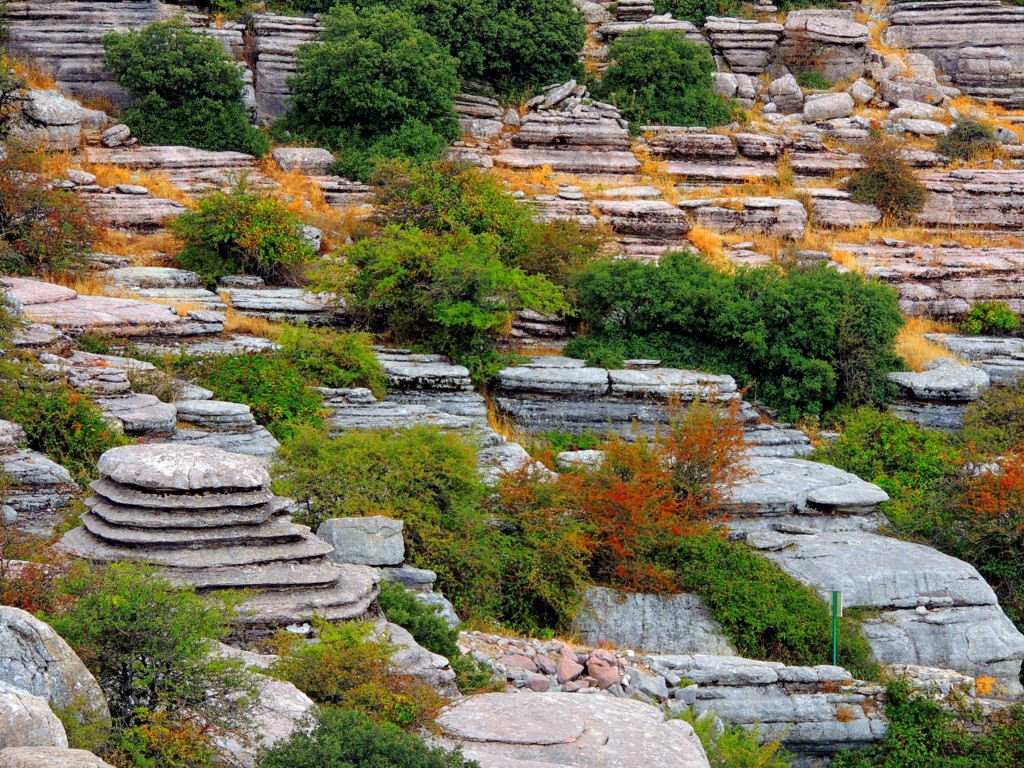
<point x="209" y="518"/>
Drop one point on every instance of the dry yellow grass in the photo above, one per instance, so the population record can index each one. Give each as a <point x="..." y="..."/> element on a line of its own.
<point x="914" y="348"/>
<point x="54" y="164"/>
<point x="535" y="181"/>
<point x="156" y="250"/>
<point x="236" y="322"/>
<point x="158" y="184"/>
<point x="846" y="259"/>
<point x="31" y="74"/>
<point x="967" y="238"/>
<point x="92" y="284"/>
<point x="654" y="173"/>
<point x="711" y="245"/>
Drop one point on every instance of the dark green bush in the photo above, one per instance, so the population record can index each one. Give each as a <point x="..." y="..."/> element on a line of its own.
<point x="58" y="421"/>
<point x="814" y="81"/>
<point x="452" y="198"/>
<point x="344" y="739"/>
<point x="187" y="90"/>
<point x="376" y="84"/>
<point x="736" y="746"/>
<point x="242" y="231"/>
<point x="280" y="395"/>
<point x="448" y="293"/>
<point x="766" y="613"/>
<point x="415" y="142"/>
<point x="328" y="358"/>
<point x="511" y="46"/>
<point x="994" y="424"/>
<point x="887" y="182"/>
<point x="804" y="340"/>
<point x="148" y="644"/>
<point x="966" y="140"/>
<point x="660" y="78"/>
<point x="924" y="733"/>
<point x="43" y="231"/>
<point x="698" y="11"/>
<point x="990" y="318"/>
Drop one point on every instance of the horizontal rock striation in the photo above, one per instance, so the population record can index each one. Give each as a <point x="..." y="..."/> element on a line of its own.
<point x="209" y="518"/>
<point x="39" y="489"/>
<point x="274" y="40"/>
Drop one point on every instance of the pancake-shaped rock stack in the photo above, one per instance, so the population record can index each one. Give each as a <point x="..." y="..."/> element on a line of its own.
<point x="209" y="518"/>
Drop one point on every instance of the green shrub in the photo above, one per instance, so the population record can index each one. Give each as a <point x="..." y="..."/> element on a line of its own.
<point x="280" y="396"/>
<point x="887" y="182"/>
<point x="374" y="84"/>
<point x="990" y="318"/>
<point x="187" y="90"/>
<point x="11" y="89"/>
<point x="448" y="293"/>
<point x="697" y="11"/>
<point x="148" y="644"/>
<point x="814" y="81"/>
<point x="348" y="667"/>
<point x="511" y="46"/>
<point x="766" y="614"/>
<point x="328" y="358"/>
<point x="924" y="733"/>
<point x="966" y="140"/>
<point x="660" y="78"/>
<point x="451" y="198"/>
<point x="736" y="747"/>
<point x="994" y="424"/>
<point x="804" y="340"/>
<point x="43" y="231"/>
<point x="344" y="739"/>
<point x="413" y="141"/>
<point x="242" y="231"/>
<point x="58" y="421"/>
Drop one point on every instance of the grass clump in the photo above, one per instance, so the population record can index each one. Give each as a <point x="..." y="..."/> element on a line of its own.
<point x="736" y="747"/>
<point x="187" y="90"/>
<point x="887" y="182"/>
<point x="990" y="318"/>
<point x="661" y="78"/>
<point x="806" y="341"/>
<point x="966" y="140"/>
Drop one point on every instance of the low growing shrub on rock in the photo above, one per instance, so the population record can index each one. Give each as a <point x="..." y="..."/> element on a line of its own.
<point x="994" y="424"/>
<point x="187" y="90"/>
<point x="349" y="668"/>
<point x="697" y="11"/>
<point x="376" y="86"/>
<point x="242" y="230"/>
<point x="966" y="140"/>
<point x="660" y="78"/>
<point x="805" y="341"/>
<point x="446" y="293"/>
<point x="887" y="182"/>
<point x="735" y="746"/>
<point x="340" y="738"/>
<point x="328" y="358"/>
<point x="43" y="231"/>
<point x="990" y="318"/>
<point x="148" y="644"/>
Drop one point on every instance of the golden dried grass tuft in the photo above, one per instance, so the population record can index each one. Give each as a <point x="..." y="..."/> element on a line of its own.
<point x="914" y="348"/>
<point x="152" y="250"/>
<point x="34" y="76"/>
<point x="236" y="322"/>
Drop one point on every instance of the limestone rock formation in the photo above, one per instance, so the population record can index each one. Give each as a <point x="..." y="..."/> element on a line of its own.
<point x="49" y="757"/>
<point x="209" y="518"/>
<point x="26" y="720"/>
<point x="39" y="488"/>
<point x="501" y="730"/>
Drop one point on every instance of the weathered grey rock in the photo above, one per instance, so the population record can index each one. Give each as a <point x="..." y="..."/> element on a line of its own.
<point x="655" y="623"/>
<point x="943" y="379"/>
<point x="776" y="486"/>
<point x="442" y="606"/>
<point x="923" y="127"/>
<point x="39" y="489"/>
<point x="311" y="161"/>
<point x="373" y="540"/>
<point x="215" y="414"/>
<point x="755" y="215"/>
<point x="49" y="120"/>
<point x="746" y="45"/>
<point x="501" y="730"/>
<point x="828" y="107"/>
<point x="861" y="91"/>
<point x="169" y="468"/>
<point x="913" y="79"/>
<point x="786" y="94"/>
<point x="116" y="136"/>
<point x="836" y="43"/>
<point x="412" y="659"/>
<point x="153" y="277"/>
<point x="26" y="720"/>
<point x="36" y="659"/>
<point x="49" y="757"/>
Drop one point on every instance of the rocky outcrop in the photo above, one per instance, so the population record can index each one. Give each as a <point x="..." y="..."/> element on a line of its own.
<point x="1001" y="358"/>
<point x="48" y="120"/>
<point x="274" y="40"/>
<point x="937" y="396"/>
<point x="26" y="720"/>
<point x="191" y="170"/>
<point x="976" y="43"/>
<point x="825" y="41"/>
<point x="744" y="46"/>
<point x="49" y="757"/>
<point x="502" y="729"/>
<point x="36" y="659"/>
<point x="750" y="215"/>
<point x="210" y="519"/>
<point x="988" y="199"/>
<point x="39" y="489"/>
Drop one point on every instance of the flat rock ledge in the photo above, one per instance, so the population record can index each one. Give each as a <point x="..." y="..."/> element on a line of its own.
<point x="502" y="730"/>
<point x="209" y="517"/>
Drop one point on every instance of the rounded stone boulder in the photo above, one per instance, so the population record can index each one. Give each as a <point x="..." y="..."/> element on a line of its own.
<point x="49" y="757"/>
<point x="176" y="468"/>
<point x="27" y="721"/>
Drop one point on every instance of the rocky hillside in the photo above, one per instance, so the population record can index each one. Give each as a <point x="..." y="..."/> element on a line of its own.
<point x="511" y="386"/>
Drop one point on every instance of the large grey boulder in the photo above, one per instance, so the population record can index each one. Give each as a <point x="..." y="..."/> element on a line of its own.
<point x="49" y="120"/>
<point x="26" y="720"/>
<point x="49" y="757"/>
<point x="828" y="107"/>
<point x="943" y="379"/>
<point x="374" y="540"/>
<point x="36" y="659"/>
<point x="311" y="161"/>
<point x="781" y="486"/>
<point x="512" y="730"/>
<point x="159" y="467"/>
<point x="647" y="622"/>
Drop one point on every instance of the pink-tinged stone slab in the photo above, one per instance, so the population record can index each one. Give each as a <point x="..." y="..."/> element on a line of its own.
<point x="32" y="292"/>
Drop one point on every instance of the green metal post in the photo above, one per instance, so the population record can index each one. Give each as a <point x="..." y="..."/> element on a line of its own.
<point x="836" y="609"/>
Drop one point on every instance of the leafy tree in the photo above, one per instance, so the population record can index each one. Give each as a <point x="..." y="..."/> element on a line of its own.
<point x="375" y="85"/>
<point x="887" y="182"/>
<point x="344" y="739"/>
<point x="450" y="293"/>
<point x="43" y="231"/>
<point x="659" y="77"/>
<point x="187" y="90"/>
<point x="242" y="230"/>
<point x="805" y="340"/>
<point x="149" y="644"/>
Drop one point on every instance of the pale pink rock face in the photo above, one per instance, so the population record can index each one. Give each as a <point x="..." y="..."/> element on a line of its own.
<point x="32" y="292"/>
